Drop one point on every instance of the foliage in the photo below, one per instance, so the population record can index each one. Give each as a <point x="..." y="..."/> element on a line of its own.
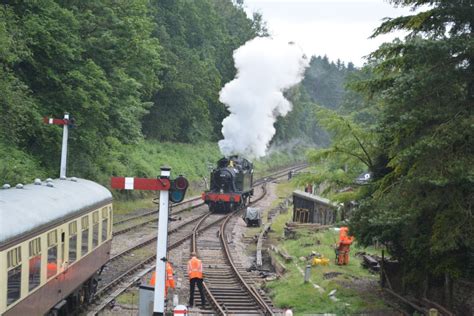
<point x="351" y="153"/>
<point x="122" y="69"/>
<point x="324" y="81"/>
<point x="324" y="85"/>
<point x="17" y="166"/>
<point x="421" y="206"/>
<point x="198" y="38"/>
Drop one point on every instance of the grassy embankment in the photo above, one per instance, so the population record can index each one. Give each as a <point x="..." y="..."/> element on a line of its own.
<point x="354" y="293"/>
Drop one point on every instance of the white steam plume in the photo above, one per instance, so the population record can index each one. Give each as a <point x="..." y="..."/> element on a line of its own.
<point x="265" y="68"/>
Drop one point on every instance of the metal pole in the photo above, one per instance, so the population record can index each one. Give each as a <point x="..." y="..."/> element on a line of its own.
<point x="62" y="171"/>
<point x="161" y="245"/>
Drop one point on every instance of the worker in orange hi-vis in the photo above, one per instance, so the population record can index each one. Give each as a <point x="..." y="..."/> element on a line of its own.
<point x="195" y="278"/>
<point x="344" y="245"/>
<point x="169" y="279"/>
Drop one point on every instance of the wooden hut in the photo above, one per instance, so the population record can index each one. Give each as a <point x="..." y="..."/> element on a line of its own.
<point x="310" y="208"/>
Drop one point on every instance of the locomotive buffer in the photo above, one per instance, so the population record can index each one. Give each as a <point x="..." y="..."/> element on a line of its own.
<point x="173" y="190"/>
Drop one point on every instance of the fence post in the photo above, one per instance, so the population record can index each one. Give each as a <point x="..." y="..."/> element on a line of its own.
<point x="307" y="273"/>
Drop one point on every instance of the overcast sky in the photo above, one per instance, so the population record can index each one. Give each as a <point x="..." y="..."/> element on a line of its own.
<point x="336" y="28"/>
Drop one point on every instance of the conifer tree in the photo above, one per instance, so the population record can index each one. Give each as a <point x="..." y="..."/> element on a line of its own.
<point x="421" y="204"/>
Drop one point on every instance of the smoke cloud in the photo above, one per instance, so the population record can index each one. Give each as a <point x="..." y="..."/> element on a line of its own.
<point x="265" y="68"/>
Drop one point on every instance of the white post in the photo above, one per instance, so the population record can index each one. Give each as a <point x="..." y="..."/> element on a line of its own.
<point x="62" y="171"/>
<point x="161" y="247"/>
<point x="307" y="273"/>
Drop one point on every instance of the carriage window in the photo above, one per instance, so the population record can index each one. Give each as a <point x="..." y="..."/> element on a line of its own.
<point x="14" y="284"/>
<point x="72" y="242"/>
<point x="14" y="275"/>
<point x="85" y="235"/>
<point x="105" y="224"/>
<point x="72" y="249"/>
<point x="95" y="229"/>
<point x="52" y="265"/>
<point x="104" y="212"/>
<point x="34" y="276"/>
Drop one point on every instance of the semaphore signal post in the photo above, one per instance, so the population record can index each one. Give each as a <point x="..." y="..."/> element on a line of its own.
<point x="66" y="122"/>
<point x="169" y="189"/>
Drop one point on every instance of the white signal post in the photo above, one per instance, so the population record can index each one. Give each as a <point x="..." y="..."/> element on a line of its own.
<point x="161" y="248"/>
<point x="62" y="172"/>
<point x="65" y="122"/>
<point x="162" y="184"/>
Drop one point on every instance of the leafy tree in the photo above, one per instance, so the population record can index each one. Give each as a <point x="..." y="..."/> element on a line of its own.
<point x="351" y="153"/>
<point x="324" y="81"/>
<point x="96" y="60"/>
<point x="199" y="38"/>
<point x="323" y="85"/>
<point x="119" y="67"/>
<point x="421" y="205"/>
<point x="19" y="112"/>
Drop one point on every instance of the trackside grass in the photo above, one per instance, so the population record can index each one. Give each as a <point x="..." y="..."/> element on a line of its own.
<point x="356" y="288"/>
<point x="122" y="207"/>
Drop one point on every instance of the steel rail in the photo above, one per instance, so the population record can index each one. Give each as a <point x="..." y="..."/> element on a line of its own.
<point x="153" y="238"/>
<point x="250" y="289"/>
<point x="127" y="229"/>
<point x="131" y="218"/>
<point x="103" y="290"/>
<point x="175" y="244"/>
<point x="224" y="242"/>
<point x="268" y="178"/>
<point x="217" y="307"/>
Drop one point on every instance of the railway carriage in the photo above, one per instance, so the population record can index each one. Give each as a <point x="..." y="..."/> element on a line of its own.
<point x="55" y="237"/>
<point x="231" y="184"/>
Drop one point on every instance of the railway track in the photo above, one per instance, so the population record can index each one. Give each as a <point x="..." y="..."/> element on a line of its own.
<point x="129" y="266"/>
<point x="140" y="220"/>
<point x="229" y="288"/>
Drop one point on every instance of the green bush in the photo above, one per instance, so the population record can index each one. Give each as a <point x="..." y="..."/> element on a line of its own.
<point x="18" y="167"/>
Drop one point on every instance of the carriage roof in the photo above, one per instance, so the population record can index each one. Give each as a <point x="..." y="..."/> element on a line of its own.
<point x="35" y="206"/>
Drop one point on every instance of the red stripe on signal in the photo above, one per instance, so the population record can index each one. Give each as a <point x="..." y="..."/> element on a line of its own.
<point x="151" y="184"/>
<point x="48" y="120"/>
<point x="141" y="184"/>
<point x="117" y="183"/>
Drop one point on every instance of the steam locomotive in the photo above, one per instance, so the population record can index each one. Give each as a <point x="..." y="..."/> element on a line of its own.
<point x="230" y="185"/>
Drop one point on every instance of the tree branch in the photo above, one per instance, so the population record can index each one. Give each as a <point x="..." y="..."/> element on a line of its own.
<point x="369" y="161"/>
<point x="365" y="162"/>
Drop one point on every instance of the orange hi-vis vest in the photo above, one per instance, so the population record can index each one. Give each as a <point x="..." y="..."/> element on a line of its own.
<point x="195" y="268"/>
<point x="344" y="238"/>
<point x="169" y="280"/>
